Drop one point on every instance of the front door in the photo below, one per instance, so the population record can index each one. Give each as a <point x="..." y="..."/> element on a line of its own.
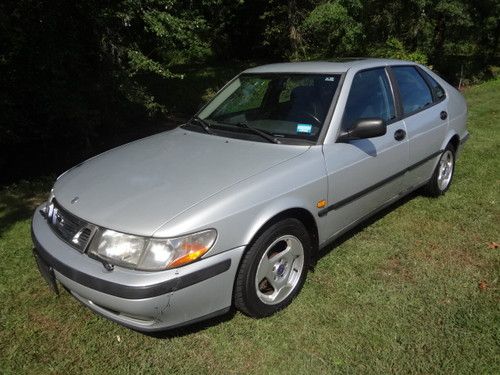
<point x="364" y="174"/>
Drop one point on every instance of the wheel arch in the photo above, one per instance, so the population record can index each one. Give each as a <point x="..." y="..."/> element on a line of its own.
<point x="451" y="138"/>
<point x="455" y="142"/>
<point x="299" y="213"/>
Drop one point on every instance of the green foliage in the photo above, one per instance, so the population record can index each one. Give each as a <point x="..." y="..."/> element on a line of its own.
<point x="140" y="62"/>
<point x="281" y="34"/>
<point x="395" y="49"/>
<point x="179" y="39"/>
<point x="330" y="30"/>
<point x="80" y="74"/>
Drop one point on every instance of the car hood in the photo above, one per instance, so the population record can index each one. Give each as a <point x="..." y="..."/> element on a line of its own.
<point x="140" y="186"/>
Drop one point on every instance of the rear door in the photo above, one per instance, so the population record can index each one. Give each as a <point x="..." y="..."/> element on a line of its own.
<point x="424" y="108"/>
<point x="364" y="174"/>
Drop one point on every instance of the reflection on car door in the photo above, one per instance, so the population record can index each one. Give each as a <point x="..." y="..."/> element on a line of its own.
<point x="424" y="108"/>
<point x="364" y="174"/>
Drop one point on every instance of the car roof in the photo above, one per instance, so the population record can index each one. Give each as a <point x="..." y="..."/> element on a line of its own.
<point x="332" y="66"/>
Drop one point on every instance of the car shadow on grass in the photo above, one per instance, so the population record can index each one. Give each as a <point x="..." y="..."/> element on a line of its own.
<point x="201" y="326"/>
<point x="192" y="328"/>
<point x="325" y="250"/>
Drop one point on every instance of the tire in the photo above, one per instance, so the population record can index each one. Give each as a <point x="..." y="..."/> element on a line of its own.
<point x="443" y="174"/>
<point x="281" y="253"/>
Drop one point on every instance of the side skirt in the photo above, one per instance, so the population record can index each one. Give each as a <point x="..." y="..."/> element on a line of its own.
<point x="390" y="202"/>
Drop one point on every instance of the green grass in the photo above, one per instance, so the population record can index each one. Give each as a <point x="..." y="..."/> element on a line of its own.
<point x="414" y="292"/>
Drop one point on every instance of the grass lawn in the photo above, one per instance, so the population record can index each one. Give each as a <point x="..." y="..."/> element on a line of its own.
<point x="415" y="291"/>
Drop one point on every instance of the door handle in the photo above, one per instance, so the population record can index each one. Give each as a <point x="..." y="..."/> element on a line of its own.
<point x="399" y="135"/>
<point x="443" y="115"/>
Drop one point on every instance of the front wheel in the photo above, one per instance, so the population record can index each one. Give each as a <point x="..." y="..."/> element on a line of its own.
<point x="273" y="269"/>
<point x="443" y="174"/>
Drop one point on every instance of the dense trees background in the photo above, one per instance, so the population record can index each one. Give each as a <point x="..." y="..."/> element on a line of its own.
<point x="77" y="77"/>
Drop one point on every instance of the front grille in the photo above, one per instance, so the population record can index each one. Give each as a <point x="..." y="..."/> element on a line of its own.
<point x="71" y="229"/>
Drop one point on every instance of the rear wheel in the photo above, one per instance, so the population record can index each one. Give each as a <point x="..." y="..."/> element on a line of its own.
<point x="443" y="174"/>
<point x="273" y="269"/>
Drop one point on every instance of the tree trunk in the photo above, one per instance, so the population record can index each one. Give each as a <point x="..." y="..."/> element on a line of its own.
<point x="439" y="37"/>
<point x="294" y="36"/>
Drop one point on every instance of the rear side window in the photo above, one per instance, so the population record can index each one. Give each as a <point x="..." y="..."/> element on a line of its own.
<point x="437" y="90"/>
<point x="370" y="96"/>
<point x="415" y="93"/>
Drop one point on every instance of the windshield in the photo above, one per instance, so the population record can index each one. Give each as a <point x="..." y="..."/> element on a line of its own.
<point x="286" y="106"/>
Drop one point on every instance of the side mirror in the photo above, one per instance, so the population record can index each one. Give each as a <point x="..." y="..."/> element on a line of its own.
<point x="365" y="128"/>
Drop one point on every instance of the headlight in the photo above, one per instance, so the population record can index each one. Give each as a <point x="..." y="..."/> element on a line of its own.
<point x="150" y="254"/>
<point x="118" y="248"/>
<point x="51" y="195"/>
<point x="46" y="209"/>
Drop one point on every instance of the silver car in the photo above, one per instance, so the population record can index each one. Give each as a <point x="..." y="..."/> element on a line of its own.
<point x="231" y="208"/>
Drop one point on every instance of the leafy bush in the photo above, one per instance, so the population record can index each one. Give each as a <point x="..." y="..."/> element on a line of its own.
<point x="77" y="77"/>
<point x="330" y="30"/>
<point x="395" y="49"/>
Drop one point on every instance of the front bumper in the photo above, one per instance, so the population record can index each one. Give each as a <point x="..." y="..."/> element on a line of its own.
<point x="145" y="301"/>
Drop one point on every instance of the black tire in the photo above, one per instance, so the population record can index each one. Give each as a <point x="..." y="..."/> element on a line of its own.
<point x="433" y="189"/>
<point x="246" y="299"/>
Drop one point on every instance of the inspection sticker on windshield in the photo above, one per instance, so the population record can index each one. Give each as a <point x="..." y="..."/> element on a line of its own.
<point x="304" y="128"/>
<point x="330" y="79"/>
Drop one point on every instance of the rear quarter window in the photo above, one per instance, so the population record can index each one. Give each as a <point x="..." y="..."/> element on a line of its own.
<point x="437" y="91"/>
<point x="414" y="91"/>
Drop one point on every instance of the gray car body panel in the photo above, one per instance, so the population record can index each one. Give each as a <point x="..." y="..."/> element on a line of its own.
<point x="238" y="212"/>
<point x="183" y="181"/>
<point x="137" y="187"/>
<point x="148" y="314"/>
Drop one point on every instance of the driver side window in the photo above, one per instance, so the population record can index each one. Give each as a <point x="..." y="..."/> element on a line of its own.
<point x="370" y="97"/>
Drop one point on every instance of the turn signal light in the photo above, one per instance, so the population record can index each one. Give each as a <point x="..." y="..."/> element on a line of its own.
<point x="321" y="204"/>
<point x="195" y="251"/>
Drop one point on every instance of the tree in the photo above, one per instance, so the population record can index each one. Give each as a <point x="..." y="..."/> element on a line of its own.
<point x="76" y="73"/>
<point x="330" y="30"/>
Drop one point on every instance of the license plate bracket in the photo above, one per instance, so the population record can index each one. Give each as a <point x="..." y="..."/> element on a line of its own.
<point x="47" y="272"/>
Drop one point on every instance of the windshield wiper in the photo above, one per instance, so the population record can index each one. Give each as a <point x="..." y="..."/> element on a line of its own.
<point x="266" y="135"/>
<point x="201" y="123"/>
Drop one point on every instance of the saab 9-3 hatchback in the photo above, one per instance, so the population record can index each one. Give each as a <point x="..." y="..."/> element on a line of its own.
<point x="230" y="208"/>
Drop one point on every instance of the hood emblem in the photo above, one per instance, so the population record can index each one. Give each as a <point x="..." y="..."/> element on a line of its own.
<point x="74" y="200"/>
